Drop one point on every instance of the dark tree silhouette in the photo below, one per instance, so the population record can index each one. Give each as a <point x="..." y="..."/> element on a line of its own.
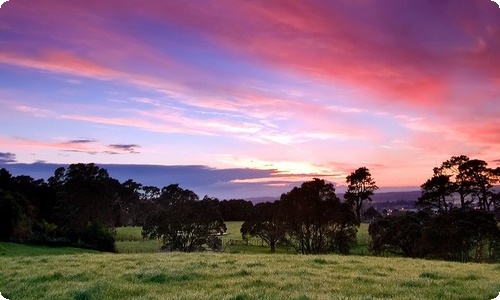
<point x="371" y="213"/>
<point x="360" y="188"/>
<point x="182" y="222"/>
<point x="316" y="220"/>
<point x="461" y="183"/>
<point x="471" y="179"/>
<point x="462" y="235"/>
<point x="480" y="178"/>
<point x="436" y="193"/>
<point x="235" y="209"/>
<point x="85" y="194"/>
<point x="266" y="222"/>
<point x="398" y="234"/>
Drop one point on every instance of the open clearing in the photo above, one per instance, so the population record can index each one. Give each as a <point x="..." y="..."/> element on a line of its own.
<point x="238" y="276"/>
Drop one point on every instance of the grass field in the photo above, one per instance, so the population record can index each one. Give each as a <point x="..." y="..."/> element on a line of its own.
<point x="129" y="240"/>
<point x="85" y="276"/>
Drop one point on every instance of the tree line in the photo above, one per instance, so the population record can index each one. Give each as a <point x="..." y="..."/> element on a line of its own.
<point x="81" y="204"/>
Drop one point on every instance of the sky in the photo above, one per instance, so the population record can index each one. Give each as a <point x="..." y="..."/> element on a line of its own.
<point x="249" y="98"/>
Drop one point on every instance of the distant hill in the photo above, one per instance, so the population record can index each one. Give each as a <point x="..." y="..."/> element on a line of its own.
<point x="410" y="196"/>
<point x="256" y="200"/>
<point x="396" y="196"/>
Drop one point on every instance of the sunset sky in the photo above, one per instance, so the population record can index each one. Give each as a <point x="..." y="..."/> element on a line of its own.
<point x="248" y="98"/>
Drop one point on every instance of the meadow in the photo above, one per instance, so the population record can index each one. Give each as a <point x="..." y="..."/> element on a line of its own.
<point x="139" y="271"/>
<point x="129" y="240"/>
<point x="38" y="274"/>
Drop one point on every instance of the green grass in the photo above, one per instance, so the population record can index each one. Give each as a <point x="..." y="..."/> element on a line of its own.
<point x="129" y="240"/>
<point x="239" y="276"/>
<point x="11" y="249"/>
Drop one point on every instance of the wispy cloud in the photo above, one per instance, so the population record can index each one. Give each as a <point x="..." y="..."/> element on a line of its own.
<point x="131" y="148"/>
<point x="7" y="157"/>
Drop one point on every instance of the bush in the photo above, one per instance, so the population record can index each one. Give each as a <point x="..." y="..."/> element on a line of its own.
<point x="98" y="237"/>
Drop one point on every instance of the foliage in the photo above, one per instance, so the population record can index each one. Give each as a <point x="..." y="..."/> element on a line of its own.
<point x="461" y="235"/>
<point x="470" y="179"/>
<point x="360" y="188"/>
<point x="398" y="234"/>
<point x="182" y="222"/>
<point x="266" y="222"/>
<point x="235" y="209"/>
<point x="10" y="213"/>
<point x="85" y="193"/>
<point x="98" y="237"/>
<point x="315" y="219"/>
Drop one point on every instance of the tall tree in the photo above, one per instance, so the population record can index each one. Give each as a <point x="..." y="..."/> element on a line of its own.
<point x="436" y="193"/>
<point x="480" y="179"/>
<point x="85" y="194"/>
<point x="316" y="220"/>
<point x="360" y="188"/>
<point x="471" y="179"/>
<point x="461" y="183"/>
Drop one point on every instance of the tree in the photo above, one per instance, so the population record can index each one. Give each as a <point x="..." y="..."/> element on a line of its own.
<point x="11" y="212"/>
<point x="471" y="179"/>
<point x="462" y="235"/>
<point x="130" y="202"/>
<point x="480" y="178"/>
<point x="400" y="234"/>
<point x="371" y="213"/>
<point x="173" y="194"/>
<point x="182" y="222"/>
<point x="265" y="221"/>
<point x="235" y="209"/>
<point x="436" y="193"/>
<point x="316" y="220"/>
<point x="461" y="183"/>
<point x="360" y="188"/>
<point x="85" y="194"/>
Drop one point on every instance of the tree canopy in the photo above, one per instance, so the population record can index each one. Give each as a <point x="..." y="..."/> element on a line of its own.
<point x="316" y="220"/>
<point x="360" y="188"/>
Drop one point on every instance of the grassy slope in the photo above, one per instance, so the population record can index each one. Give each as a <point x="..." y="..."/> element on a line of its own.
<point x="240" y="276"/>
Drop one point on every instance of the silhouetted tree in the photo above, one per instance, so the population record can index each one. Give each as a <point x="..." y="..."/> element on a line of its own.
<point x="471" y="179"/>
<point x="360" y="188"/>
<point x="266" y="222"/>
<point x="235" y="209"/>
<point x="182" y="222"/>
<point x="462" y="236"/>
<point x="401" y="234"/>
<point x="480" y="177"/>
<point x="459" y="235"/>
<point x="371" y="213"/>
<point x="11" y="212"/>
<point x="129" y="195"/>
<point x="316" y="220"/>
<point x="85" y="194"/>
<point x="461" y="183"/>
<point x="437" y="193"/>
